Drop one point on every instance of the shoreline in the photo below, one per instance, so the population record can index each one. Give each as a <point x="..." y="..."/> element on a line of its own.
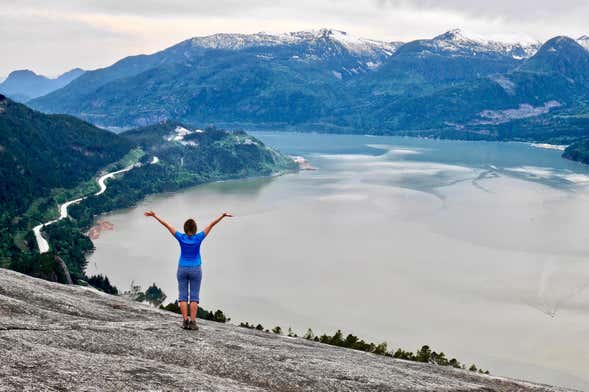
<point x="98" y="228"/>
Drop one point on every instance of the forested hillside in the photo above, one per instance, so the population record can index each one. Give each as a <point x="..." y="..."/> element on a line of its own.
<point x="40" y="152"/>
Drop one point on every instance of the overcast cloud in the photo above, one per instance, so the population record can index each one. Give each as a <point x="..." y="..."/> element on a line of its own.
<point x="53" y="36"/>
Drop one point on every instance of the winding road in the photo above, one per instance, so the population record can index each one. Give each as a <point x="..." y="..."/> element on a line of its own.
<point x="101" y="180"/>
<point x="42" y="243"/>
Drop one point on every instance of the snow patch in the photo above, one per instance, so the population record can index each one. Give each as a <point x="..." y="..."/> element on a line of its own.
<point x="361" y="45"/>
<point x="356" y="45"/>
<point x="456" y="41"/>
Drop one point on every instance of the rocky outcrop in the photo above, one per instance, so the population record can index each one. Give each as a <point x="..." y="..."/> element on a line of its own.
<point x="62" y="337"/>
<point x="64" y="269"/>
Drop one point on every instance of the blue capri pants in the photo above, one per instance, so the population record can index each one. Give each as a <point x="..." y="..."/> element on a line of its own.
<point x="189" y="279"/>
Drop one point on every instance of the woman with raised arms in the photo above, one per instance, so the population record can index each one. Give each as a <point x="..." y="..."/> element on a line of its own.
<point x="189" y="273"/>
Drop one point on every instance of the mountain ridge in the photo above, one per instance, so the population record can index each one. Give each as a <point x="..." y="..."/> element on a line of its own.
<point x="505" y="106"/>
<point x="234" y="41"/>
<point x="562" y="55"/>
<point x="446" y="86"/>
<point x="458" y="42"/>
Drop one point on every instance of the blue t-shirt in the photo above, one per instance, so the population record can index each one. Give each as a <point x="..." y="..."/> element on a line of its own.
<point x="189" y="249"/>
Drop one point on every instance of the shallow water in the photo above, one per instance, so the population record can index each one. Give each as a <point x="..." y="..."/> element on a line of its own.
<point x="475" y="248"/>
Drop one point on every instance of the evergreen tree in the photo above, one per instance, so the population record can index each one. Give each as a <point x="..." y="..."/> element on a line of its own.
<point x="454" y="363"/>
<point x="439" y="359"/>
<point x="381" y="349"/>
<point x="424" y="354"/>
<point x="154" y="295"/>
<point x="338" y="338"/>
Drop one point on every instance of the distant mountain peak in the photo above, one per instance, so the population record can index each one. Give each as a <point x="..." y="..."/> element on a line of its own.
<point x="452" y="34"/>
<point x="455" y="31"/>
<point x="560" y="43"/>
<point x="459" y="35"/>
<point x="561" y="55"/>
<point x="459" y="42"/>
<point x="24" y="84"/>
<point x="23" y="72"/>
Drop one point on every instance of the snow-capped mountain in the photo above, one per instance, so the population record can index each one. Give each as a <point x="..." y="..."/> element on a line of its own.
<point x="355" y="45"/>
<point x="456" y="42"/>
<point x="328" y="78"/>
<point x="453" y="41"/>
<point x="584" y="41"/>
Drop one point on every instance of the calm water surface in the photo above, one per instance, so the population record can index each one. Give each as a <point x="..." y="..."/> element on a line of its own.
<point x="477" y="249"/>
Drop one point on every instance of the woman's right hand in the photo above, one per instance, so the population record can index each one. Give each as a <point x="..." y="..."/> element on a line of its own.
<point x="149" y="213"/>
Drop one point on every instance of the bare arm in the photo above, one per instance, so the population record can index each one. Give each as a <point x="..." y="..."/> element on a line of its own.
<point x="168" y="226"/>
<point x="208" y="229"/>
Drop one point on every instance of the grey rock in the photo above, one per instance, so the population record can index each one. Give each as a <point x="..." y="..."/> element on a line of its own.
<point x="61" y="337"/>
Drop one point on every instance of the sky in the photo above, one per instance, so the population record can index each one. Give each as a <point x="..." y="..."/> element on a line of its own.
<point x="51" y="37"/>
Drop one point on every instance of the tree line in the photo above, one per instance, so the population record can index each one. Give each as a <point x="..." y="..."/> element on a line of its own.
<point x="424" y="354"/>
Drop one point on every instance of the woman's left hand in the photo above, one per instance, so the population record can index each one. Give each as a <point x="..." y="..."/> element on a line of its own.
<point x="149" y="213"/>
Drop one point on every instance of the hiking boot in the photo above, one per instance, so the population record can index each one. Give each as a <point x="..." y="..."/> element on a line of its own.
<point x="185" y="324"/>
<point x="192" y="325"/>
